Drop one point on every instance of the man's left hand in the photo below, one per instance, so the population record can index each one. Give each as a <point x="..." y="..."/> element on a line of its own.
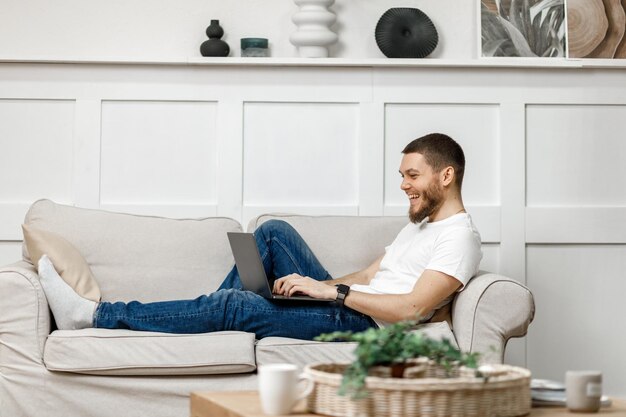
<point x="291" y="284"/>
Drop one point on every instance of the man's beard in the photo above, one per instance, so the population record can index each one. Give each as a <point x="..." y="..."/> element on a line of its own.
<point x="432" y="200"/>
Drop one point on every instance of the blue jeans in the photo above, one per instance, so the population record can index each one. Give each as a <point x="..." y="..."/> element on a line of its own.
<point x="283" y="252"/>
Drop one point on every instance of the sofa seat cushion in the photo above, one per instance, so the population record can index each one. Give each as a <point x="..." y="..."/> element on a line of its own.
<point x="304" y="352"/>
<point x="126" y="352"/>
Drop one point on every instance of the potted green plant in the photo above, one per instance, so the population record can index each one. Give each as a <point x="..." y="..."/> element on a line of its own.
<point x="396" y="346"/>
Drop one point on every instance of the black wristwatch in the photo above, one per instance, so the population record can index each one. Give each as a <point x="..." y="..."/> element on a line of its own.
<point x="342" y="293"/>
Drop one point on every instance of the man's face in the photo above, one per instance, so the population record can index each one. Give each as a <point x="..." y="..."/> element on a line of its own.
<point x="421" y="185"/>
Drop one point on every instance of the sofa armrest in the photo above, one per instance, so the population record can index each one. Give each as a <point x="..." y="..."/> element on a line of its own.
<point x="24" y="316"/>
<point x="488" y="312"/>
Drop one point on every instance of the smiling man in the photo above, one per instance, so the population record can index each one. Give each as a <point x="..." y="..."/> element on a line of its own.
<point x="433" y="257"/>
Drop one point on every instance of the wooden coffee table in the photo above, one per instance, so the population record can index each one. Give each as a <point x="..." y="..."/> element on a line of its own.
<point x="246" y="404"/>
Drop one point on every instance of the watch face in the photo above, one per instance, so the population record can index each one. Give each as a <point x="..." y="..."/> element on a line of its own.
<point x="343" y="289"/>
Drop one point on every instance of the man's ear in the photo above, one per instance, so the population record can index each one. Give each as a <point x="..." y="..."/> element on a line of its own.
<point x="447" y="176"/>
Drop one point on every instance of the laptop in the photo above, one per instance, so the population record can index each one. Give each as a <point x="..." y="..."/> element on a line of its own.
<point x="251" y="271"/>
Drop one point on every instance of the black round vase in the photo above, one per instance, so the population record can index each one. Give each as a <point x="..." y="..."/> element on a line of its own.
<point x="214" y="46"/>
<point x="404" y="32"/>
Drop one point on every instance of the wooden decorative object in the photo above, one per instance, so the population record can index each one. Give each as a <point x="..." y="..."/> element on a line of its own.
<point x="621" y="48"/>
<point x="615" y="32"/>
<point x="491" y="5"/>
<point x="586" y="26"/>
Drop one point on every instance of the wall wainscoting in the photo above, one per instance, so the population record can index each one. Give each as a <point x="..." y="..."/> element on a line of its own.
<point x="545" y="150"/>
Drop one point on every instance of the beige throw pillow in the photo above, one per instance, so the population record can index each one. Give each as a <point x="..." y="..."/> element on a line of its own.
<point x="66" y="259"/>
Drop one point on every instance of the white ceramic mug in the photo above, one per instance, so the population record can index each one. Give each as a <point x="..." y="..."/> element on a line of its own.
<point x="583" y="390"/>
<point x="279" y="387"/>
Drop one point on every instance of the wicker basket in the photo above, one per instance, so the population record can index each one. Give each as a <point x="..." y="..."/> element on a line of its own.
<point x="505" y="394"/>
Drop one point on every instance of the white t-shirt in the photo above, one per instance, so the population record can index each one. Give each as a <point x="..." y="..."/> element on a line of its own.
<point x="451" y="246"/>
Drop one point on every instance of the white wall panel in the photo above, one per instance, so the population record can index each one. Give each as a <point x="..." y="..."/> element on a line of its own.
<point x="240" y="140"/>
<point x="10" y="252"/>
<point x="158" y="152"/>
<point x="491" y="257"/>
<point x="575" y="155"/>
<point x="580" y="309"/>
<point x="515" y="352"/>
<point x="12" y="216"/>
<point x="36" y="150"/>
<point x="300" y="154"/>
<point x="576" y="224"/>
<point x="474" y="126"/>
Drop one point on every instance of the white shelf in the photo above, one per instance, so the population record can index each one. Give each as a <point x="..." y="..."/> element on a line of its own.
<point x="386" y="62"/>
<point x="336" y="62"/>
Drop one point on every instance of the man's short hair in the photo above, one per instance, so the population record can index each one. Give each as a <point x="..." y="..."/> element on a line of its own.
<point x="440" y="151"/>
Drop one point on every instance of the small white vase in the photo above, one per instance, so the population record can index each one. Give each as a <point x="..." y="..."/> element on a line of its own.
<point x="313" y="20"/>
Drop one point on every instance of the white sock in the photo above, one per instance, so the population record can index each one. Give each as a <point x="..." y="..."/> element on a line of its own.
<point x="70" y="310"/>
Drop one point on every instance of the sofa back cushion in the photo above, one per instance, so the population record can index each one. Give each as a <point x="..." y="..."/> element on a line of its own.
<point x="343" y="244"/>
<point x="143" y="258"/>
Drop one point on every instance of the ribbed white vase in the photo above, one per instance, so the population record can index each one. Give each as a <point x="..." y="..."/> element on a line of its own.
<point x="313" y="20"/>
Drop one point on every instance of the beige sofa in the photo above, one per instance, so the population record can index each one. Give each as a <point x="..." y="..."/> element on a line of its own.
<point x="96" y="372"/>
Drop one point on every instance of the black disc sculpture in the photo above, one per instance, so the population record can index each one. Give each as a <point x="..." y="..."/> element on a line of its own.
<point x="404" y="32"/>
